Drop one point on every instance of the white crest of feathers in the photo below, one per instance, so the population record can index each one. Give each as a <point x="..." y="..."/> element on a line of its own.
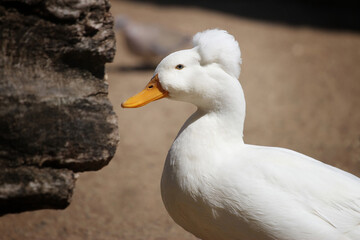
<point x="218" y="46"/>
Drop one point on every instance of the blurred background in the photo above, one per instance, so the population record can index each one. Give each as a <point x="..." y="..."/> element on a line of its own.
<point x="301" y="79"/>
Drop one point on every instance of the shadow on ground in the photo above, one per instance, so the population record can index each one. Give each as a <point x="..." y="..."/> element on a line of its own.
<point x="339" y="15"/>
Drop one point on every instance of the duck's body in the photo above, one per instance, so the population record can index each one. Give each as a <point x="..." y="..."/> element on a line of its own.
<point x="254" y="192"/>
<point x="219" y="188"/>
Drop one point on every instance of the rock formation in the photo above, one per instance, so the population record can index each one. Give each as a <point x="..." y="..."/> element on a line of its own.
<point x="55" y="117"/>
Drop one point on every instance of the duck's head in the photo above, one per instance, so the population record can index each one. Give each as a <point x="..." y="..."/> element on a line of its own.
<point x="201" y="75"/>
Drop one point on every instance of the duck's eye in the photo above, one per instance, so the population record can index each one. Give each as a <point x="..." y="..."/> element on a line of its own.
<point x="179" y="66"/>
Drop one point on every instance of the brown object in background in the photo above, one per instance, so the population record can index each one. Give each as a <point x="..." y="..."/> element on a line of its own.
<point x="55" y="116"/>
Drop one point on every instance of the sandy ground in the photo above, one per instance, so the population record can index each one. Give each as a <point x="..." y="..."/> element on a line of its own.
<point x="302" y="88"/>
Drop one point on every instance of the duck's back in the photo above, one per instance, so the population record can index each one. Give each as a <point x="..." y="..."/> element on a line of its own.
<point x="298" y="197"/>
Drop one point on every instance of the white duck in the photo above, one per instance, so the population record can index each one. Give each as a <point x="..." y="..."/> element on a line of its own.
<point x="216" y="186"/>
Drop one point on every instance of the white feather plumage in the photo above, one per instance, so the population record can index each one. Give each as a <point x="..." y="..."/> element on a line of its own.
<point x="217" y="46"/>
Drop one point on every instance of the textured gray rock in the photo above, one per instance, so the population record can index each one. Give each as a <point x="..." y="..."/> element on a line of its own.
<point x="30" y="188"/>
<point x="55" y="117"/>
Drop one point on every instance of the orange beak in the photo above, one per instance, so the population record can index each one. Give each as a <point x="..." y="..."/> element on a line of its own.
<point x="152" y="92"/>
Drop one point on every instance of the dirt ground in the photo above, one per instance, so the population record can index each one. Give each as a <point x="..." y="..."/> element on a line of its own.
<point x="302" y="87"/>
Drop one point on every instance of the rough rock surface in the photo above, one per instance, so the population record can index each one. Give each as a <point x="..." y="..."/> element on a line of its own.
<point x="55" y="117"/>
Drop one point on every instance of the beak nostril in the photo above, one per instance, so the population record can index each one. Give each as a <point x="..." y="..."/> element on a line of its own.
<point x="152" y="92"/>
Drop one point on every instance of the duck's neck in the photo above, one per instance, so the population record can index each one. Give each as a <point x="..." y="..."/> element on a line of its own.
<point x="222" y="121"/>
